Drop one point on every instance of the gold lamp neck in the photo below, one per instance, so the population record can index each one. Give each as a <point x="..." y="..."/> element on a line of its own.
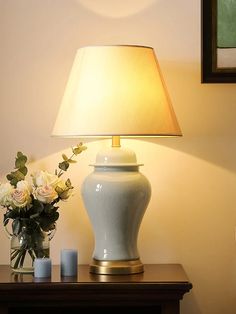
<point x="116" y="141"/>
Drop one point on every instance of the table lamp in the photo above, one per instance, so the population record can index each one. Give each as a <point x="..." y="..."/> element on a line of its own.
<point x="116" y="91"/>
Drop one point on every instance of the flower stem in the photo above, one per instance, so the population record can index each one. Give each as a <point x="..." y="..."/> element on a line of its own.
<point x="14" y="254"/>
<point x="20" y="252"/>
<point x="22" y="258"/>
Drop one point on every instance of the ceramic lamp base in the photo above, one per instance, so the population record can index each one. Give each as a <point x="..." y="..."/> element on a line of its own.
<point x="116" y="267"/>
<point x="116" y="196"/>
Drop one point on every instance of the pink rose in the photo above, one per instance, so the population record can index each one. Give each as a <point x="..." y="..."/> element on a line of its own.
<point x="45" y="194"/>
<point x="21" y="195"/>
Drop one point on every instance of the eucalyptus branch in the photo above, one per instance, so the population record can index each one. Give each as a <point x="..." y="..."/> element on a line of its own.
<point x="64" y="165"/>
<point x="21" y="169"/>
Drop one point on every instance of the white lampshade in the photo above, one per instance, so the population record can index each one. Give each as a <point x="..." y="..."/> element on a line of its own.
<point x="116" y="90"/>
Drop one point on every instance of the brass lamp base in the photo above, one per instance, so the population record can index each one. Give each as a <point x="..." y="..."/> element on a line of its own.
<point x="116" y="267"/>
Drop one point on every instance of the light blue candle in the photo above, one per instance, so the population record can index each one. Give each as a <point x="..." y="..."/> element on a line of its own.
<point x="42" y="267"/>
<point x="69" y="262"/>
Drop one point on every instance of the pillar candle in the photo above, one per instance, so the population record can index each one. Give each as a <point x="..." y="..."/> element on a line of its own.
<point x="42" y="267"/>
<point x="69" y="261"/>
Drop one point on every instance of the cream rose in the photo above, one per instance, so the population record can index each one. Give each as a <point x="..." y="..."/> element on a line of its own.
<point x="45" y="194"/>
<point x="6" y="190"/>
<point x="21" y="195"/>
<point x="43" y="178"/>
<point x="24" y="185"/>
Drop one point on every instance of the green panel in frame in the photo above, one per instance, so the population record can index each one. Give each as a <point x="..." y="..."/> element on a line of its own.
<point x="218" y="63"/>
<point x="226" y="23"/>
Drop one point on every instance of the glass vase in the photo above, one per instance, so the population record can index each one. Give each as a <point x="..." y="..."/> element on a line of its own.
<point x="28" y="245"/>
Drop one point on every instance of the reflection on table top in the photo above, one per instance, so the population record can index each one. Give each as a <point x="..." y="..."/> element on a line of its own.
<point x="153" y="273"/>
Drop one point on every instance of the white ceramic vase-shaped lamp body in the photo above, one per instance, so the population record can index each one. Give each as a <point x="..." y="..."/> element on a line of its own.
<point x="116" y="196"/>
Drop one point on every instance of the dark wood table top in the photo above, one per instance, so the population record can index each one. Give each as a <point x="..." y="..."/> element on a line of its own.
<point x="153" y="274"/>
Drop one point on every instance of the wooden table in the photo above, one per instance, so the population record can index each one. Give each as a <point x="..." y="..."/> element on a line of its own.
<point x="158" y="290"/>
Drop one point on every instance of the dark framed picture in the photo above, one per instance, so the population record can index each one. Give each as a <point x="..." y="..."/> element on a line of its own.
<point x="218" y="41"/>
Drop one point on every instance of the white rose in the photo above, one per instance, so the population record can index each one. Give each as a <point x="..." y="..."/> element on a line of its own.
<point x="21" y="194"/>
<point x="24" y="185"/>
<point x="45" y="194"/>
<point x="5" y="194"/>
<point x="43" y="178"/>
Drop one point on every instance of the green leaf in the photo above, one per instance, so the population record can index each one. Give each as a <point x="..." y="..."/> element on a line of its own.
<point x="14" y="181"/>
<point x="19" y="175"/>
<point x="48" y="222"/>
<point x="5" y="221"/>
<point x="78" y="149"/>
<point x="83" y="147"/>
<point x="71" y="161"/>
<point x="37" y="207"/>
<point x="48" y="208"/>
<point x="59" y="190"/>
<point x="20" y="160"/>
<point x="64" y="165"/>
<point x="34" y="215"/>
<point x="65" y="158"/>
<point x="10" y="214"/>
<point x="23" y="170"/>
<point x="16" y="176"/>
<point x="55" y="216"/>
<point x="19" y="154"/>
<point x="68" y="183"/>
<point x="9" y="177"/>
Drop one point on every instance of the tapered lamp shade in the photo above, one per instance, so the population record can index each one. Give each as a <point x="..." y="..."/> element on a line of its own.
<point x="116" y="90"/>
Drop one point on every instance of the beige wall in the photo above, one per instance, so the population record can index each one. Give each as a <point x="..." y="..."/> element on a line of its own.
<point x="192" y="214"/>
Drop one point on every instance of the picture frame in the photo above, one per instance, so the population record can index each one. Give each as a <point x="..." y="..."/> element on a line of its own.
<point x="211" y="71"/>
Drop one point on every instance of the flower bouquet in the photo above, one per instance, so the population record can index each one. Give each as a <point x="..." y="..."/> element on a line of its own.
<point x="32" y="208"/>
